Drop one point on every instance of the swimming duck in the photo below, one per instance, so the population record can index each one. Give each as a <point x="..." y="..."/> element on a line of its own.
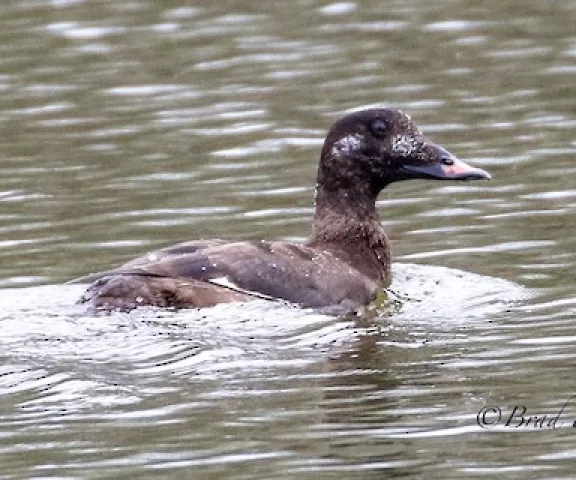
<point x="344" y="263"/>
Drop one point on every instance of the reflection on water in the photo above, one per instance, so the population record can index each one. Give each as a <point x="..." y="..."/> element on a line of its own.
<point x="128" y="126"/>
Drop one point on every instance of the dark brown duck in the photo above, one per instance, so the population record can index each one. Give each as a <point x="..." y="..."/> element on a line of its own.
<point x="341" y="267"/>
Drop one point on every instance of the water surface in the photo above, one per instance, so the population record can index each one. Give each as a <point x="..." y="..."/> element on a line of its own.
<point x="129" y="126"/>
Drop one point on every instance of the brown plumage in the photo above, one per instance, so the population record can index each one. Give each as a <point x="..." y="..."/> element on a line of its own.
<point x="343" y="264"/>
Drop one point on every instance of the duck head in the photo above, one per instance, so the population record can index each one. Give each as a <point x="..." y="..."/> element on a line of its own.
<point x="369" y="149"/>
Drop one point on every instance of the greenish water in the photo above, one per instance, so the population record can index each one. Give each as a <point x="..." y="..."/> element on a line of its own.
<point x="129" y="126"/>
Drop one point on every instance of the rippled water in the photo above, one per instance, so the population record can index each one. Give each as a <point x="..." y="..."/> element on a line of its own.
<point x="128" y="126"/>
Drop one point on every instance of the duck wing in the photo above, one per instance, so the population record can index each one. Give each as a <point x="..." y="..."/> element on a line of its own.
<point x="242" y="270"/>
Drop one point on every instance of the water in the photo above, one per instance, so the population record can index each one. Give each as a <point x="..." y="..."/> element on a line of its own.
<point x="129" y="126"/>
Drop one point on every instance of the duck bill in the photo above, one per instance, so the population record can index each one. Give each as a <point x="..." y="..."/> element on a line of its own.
<point x="447" y="167"/>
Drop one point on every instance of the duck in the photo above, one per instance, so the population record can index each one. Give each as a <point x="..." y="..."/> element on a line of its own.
<point x="342" y="266"/>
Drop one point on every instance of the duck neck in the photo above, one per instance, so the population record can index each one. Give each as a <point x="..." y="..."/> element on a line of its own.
<point x="343" y="207"/>
<point x="346" y="224"/>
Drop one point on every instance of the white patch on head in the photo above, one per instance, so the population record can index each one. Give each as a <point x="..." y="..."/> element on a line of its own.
<point x="405" y="145"/>
<point x="348" y="144"/>
<point x="406" y="116"/>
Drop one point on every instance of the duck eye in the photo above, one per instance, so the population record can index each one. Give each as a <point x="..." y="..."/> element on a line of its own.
<point x="379" y="127"/>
